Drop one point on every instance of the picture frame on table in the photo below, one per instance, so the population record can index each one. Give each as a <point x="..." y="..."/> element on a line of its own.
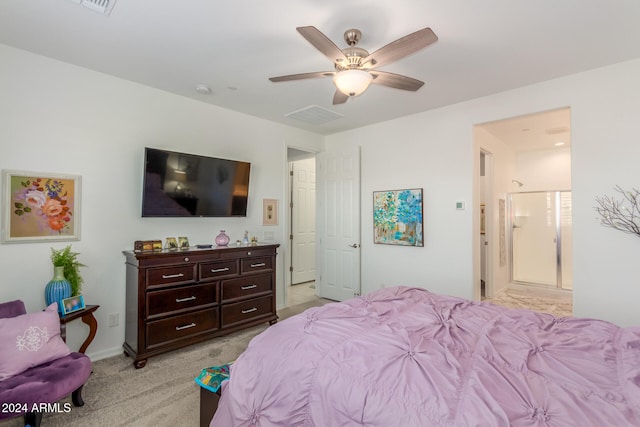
<point x="183" y="243"/>
<point x="72" y="304"/>
<point x="40" y="207"/>
<point x="171" y="243"/>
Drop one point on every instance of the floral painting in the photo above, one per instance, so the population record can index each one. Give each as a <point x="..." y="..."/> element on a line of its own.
<point x="397" y="217"/>
<point x="40" y="207"/>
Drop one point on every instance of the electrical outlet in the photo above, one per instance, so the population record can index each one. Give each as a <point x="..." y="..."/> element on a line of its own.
<point x="114" y="320"/>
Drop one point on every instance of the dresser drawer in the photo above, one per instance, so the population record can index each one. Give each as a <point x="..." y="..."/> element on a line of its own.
<point x="256" y="264"/>
<point x="243" y="311"/>
<point x="164" y="302"/>
<point x="174" y="275"/>
<point x="245" y="286"/>
<point x="164" y="259"/>
<point x="177" y="327"/>
<point x="209" y="270"/>
<point x="247" y="252"/>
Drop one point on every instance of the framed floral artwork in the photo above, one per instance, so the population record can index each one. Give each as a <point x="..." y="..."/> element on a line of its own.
<point x="40" y="207"/>
<point x="397" y="217"/>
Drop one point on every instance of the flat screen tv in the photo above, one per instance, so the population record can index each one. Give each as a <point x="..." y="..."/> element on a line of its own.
<point x="188" y="185"/>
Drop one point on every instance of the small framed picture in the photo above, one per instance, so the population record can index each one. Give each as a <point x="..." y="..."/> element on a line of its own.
<point x="171" y="243"/>
<point x="183" y="243"/>
<point x="269" y="212"/>
<point x="70" y="305"/>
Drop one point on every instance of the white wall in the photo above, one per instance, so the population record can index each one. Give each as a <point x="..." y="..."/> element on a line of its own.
<point x="435" y="150"/>
<point x="544" y="170"/>
<point x="419" y="151"/>
<point x="60" y="118"/>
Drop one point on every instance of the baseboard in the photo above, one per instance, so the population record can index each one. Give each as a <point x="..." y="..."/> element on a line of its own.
<point x="105" y="354"/>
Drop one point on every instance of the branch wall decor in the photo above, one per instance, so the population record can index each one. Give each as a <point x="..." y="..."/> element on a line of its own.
<point x="620" y="214"/>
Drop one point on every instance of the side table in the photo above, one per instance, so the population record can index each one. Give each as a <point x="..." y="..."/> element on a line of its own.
<point x="208" y="405"/>
<point x="86" y="314"/>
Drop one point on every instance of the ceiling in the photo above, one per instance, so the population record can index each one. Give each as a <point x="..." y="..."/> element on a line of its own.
<point x="234" y="46"/>
<point x="537" y="131"/>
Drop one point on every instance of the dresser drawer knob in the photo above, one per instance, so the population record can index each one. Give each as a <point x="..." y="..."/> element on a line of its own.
<point x="186" y="259"/>
<point x="219" y="270"/>
<point x="172" y="276"/>
<point x="248" y="310"/>
<point x="191" y="325"/>
<point x="191" y="298"/>
<point x="260" y="264"/>
<point x="247" y="287"/>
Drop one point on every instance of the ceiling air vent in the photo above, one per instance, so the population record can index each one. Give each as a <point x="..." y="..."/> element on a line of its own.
<point x="314" y="115"/>
<point x="100" y="6"/>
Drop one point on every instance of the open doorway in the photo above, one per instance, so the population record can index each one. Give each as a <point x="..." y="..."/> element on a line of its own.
<point x="301" y="227"/>
<point x="531" y="157"/>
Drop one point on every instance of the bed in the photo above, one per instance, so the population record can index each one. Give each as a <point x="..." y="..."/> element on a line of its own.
<point x="407" y="357"/>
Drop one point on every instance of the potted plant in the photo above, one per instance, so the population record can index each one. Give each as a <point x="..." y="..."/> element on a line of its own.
<point x="68" y="259"/>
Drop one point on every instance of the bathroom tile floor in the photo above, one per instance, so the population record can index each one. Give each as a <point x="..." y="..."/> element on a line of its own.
<point x="558" y="303"/>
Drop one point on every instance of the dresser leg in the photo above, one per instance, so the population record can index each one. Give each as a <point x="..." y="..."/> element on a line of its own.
<point x="140" y="363"/>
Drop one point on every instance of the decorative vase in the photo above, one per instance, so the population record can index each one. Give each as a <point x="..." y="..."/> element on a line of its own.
<point x="222" y="239"/>
<point x="58" y="288"/>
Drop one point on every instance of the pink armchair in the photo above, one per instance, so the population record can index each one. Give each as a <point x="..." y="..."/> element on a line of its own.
<point x="27" y="387"/>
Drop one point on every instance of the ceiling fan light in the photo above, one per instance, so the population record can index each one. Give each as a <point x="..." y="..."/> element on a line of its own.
<point x="352" y="82"/>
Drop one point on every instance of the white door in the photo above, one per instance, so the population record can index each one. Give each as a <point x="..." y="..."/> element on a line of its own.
<point x="339" y="223"/>
<point x="303" y="221"/>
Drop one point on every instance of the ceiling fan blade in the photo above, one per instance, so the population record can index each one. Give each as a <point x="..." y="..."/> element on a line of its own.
<point x="339" y="98"/>
<point x="302" y="76"/>
<point x="322" y="43"/>
<point x="400" y="48"/>
<point x="395" y="81"/>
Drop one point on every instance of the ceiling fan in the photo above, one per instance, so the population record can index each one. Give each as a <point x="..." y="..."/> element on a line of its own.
<point x="355" y="68"/>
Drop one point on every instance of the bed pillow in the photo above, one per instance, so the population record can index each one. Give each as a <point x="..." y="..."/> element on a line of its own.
<point x="30" y="340"/>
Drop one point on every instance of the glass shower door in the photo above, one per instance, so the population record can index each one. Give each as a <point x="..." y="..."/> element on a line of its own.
<point x="541" y="238"/>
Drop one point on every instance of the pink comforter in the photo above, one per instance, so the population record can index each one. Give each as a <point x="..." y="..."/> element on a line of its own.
<point x="407" y="357"/>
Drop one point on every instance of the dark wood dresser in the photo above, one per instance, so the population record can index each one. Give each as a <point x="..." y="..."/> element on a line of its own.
<point x="177" y="298"/>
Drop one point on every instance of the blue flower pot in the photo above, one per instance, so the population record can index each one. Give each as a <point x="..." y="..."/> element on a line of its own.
<point x="57" y="289"/>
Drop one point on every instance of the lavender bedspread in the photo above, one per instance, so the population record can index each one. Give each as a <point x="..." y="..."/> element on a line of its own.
<point x="407" y="357"/>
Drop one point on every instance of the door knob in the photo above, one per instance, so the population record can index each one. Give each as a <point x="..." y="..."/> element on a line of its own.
<point x="354" y="245"/>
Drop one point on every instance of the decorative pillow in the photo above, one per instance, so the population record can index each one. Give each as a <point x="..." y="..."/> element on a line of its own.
<point x="30" y="340"/>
